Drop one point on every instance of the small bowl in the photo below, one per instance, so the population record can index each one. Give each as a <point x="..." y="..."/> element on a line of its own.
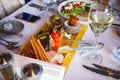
<point x="31" y="71"/>
<point x="71" y="29"/>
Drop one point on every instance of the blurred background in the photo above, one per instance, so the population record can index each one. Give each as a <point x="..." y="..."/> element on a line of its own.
<point x="9" y="6"/>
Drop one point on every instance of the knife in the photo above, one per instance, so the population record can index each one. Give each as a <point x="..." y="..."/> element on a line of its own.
<point x="39" y="7"/>
<point x="115" y="24"/>
<point x="102" y="72"/>
<point x="106" y="69"/>
<point x="10" y="32"/>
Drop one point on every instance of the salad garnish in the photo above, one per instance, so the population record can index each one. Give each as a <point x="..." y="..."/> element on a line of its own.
<point x="73" y="8"/>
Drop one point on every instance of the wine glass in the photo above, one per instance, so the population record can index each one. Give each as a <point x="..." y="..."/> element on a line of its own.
<point x="50" y="5"/>
<point x="116" y="52"/>
<point x="99" y="19"/>
<point x="114" y="4"/>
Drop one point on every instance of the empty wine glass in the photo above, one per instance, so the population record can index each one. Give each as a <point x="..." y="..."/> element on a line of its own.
<point x="116" y="52"/>
<point x="50" y="5"/>
<point x="114" y="4"/>
<point x="116" y="55"/>
<point x="99" y="19"/>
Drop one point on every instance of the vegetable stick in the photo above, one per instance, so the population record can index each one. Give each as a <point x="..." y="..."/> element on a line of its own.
<point x="24" y="50"/>
<point x="41" y="52"/>
<point x="38" y="49"/>
<point x="44" y="52"/>
<point x="31" y="50"/>
<point x="35" y="51"/>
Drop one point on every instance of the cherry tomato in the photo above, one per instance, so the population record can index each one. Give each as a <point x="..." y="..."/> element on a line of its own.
<point x="55" y="35"/>
<point x="55" y="42"/>
<point x="68" y="10"/>
<point x="76" y="5"/>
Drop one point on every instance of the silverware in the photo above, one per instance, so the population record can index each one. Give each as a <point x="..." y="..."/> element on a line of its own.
<point x="101" y="71"/>
<point x="37" y="6"/>
<point x="85" y="45"/>
<point x="10" y="47"/>
<point x="10" y="32"/>
<point x="106" y="69"/>
<point x="115" y="24"/>
<point x="9" y="42"/>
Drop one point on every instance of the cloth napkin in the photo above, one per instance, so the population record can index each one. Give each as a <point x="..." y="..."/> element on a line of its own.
<point x="50" y="71"/>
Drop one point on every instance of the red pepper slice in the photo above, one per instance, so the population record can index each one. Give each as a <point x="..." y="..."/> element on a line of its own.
<point x="68" y="10"/>
<point x="76" y="5"/>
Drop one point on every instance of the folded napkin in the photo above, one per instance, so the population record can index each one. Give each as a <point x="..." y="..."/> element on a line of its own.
<point x="48" y="74"/>
<point x="50" y="71"/>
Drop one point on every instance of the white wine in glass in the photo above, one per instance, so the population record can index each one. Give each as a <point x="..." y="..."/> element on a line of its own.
<point x="99" y="19"/>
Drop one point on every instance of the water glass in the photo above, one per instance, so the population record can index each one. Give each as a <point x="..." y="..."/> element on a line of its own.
<point x="114" y="4"/>
<point x="116" y="52"/>
<point x="31" y="71"/>
<point x="50" y="5"/>
<point x="6" y="66"/>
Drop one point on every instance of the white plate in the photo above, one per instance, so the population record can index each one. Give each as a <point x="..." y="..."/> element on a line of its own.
<point x="66" y="2"/>
<point x="11" y="25"/>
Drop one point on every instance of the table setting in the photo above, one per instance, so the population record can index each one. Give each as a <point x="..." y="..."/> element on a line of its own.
<point x="64" y="39"/>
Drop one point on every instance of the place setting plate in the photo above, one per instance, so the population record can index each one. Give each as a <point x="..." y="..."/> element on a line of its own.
<point x="10" y="27"/>
<point x="79" y="8"/>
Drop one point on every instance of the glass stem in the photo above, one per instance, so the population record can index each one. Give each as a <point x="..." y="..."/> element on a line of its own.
<point x="96" y="39"/>
<point x="93" y="55"/>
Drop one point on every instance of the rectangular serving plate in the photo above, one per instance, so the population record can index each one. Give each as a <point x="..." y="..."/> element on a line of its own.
<point x="68" y="54"/>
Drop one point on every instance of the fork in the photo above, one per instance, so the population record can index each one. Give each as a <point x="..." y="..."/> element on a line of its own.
<point x="10" y="47"/>
<point x="9" y="42"/>
<point x="36" y="6"/>
<point x="10" y="32"/>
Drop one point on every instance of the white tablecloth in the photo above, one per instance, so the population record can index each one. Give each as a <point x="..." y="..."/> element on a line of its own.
<point x="50" y="71"/>
<point x="75" y="70"/>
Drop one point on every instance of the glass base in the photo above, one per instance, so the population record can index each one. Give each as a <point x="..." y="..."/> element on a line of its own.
<point x="90" y="57"/>
<point x="116" y="53"/>
<point x="99" y="45"/>
<point x="89" y="45"/>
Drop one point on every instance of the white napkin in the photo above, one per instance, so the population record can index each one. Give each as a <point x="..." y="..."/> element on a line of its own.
<point x="50" y="71"/>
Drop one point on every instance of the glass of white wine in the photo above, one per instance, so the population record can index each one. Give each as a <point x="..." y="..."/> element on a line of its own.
<point x="99" y="19"/>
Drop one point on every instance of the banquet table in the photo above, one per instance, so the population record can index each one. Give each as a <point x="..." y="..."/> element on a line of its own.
<point x="75" y="70"/>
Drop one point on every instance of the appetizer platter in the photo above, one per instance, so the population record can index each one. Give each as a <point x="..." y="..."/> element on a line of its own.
<point x="46" y="43"/>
